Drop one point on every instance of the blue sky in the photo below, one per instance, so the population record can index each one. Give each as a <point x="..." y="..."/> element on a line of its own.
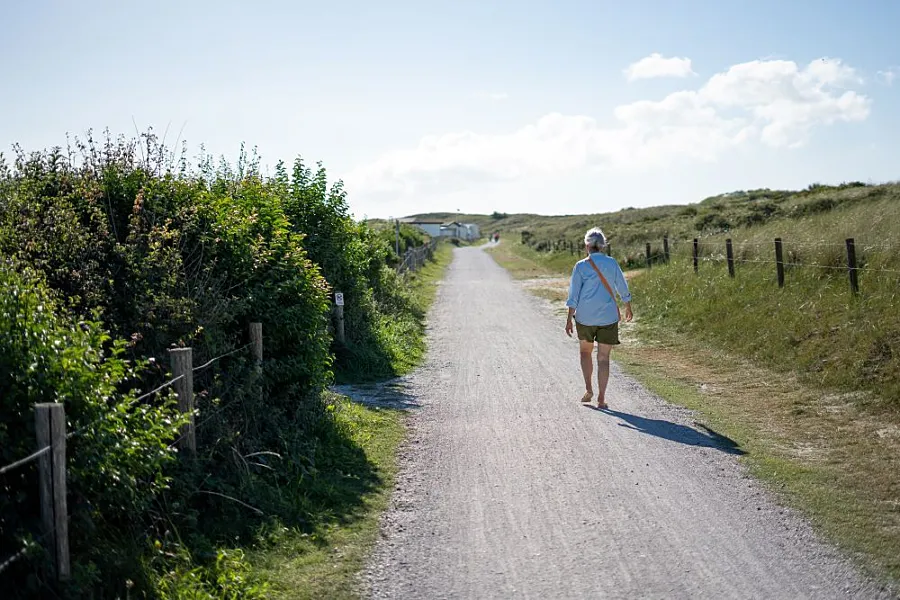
<point x="478" y="106"/>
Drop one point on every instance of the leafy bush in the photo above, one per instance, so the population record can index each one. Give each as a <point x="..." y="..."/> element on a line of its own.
<point x="116" y="463"/>
<point x="167" y="256"/>
<point x="354" y="261"/>
<point x="711" y="221"/>
<point x="758" y="213"/>
<point x="229" y="576"/>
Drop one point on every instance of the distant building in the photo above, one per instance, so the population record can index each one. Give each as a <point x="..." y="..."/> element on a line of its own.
<point x="432" y="228"/>
<point x="454" y="229"/>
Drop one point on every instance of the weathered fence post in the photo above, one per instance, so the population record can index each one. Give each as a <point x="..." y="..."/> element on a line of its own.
<point x="398" y="237"/>
<point x="183" y="366"/>
<point x="50" y="426"/>
<point x="666" y="247"/>
<point x="256" y="342"/>
<point x="779" y="262"/>
<point x="851" y="266"/>
<point x="256" y="349"/>
<point x="339" y="314"/>
<point x="648" y="256"/>
<point x="729" y="254"/>
<point x="696" y="255"/>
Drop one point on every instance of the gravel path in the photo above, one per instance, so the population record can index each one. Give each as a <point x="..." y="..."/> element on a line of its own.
<point x="510" y="488"/>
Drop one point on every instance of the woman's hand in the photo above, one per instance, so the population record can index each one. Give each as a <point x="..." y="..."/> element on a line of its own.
<point x="628" y="314"/>
<point x="569" y="327"/>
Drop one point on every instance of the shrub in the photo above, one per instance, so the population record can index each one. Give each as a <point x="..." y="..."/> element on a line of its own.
<point x="759" y="213"/>
<point x="117" y="462"/>
<point x="711" y="221"/>
<point x="353" y="260"/>
<point x="167" y="256"/>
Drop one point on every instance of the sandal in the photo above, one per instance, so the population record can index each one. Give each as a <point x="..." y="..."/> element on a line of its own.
<point x="601" y="404"/>
<point x="588" y="396"/>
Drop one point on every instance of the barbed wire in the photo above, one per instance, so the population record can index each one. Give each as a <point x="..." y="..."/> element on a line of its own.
<point x="156" y="390"/>
<point x="219" y="409"/>
<point x="28" y="546"/>
<point x="786" y="242"/>
<point x="708" y="241"/>
<point x="220" y="357"/>
<point x="35" y="455"/>
<point x="82" y="429"/>
<point x="25" y="460"/>
<point x="863" y="268"/>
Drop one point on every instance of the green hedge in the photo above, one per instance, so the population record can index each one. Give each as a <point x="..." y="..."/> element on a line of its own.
<point x="129" y="252"/>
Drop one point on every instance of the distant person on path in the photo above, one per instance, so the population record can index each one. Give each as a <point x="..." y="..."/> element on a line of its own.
<point x="592" y="303"/>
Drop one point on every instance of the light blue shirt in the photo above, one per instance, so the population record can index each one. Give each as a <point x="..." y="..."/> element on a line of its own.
<point x="588" y="296"/>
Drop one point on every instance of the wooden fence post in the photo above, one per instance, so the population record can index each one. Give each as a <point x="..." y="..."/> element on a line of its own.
<point x="339" y="315"/>
<point x="696" y="255"/>
<point x="648" y="255"/>
<point x="256" y="342"/>
<point x="729" y="254"/>
<point x="183" y="365"/>
<point x="851" y="266"/>
<point x="50" y="426"/>
<point x="666" y="247"/>
<point x="779" y="262"/>
<point x="256" y="350"/>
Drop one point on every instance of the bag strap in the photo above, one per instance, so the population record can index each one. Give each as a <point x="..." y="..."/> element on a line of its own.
<point x="605" y="283"/>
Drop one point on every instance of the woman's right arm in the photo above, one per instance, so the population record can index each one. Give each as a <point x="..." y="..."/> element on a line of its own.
<point x="575" y="284"/>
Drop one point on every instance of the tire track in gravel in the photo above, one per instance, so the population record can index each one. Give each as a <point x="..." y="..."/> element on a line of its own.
<point x="510" y="488"/>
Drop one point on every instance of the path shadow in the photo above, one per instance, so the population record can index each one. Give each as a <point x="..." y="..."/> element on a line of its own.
<point x="704" y="436"/>
<point x="387" y="394"/>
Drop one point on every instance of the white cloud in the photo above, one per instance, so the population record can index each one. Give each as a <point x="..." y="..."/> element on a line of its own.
<point x="773" y="103"/>
<point x="656" y="65"/>
<point x="887" y="76"/>
<point x="496" y="96"/>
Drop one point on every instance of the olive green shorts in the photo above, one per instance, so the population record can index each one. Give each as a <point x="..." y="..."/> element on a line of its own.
<point x="602" y="334"/>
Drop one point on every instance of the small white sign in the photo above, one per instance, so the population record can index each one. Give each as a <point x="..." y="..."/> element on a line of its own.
<point x="339" y="298"/>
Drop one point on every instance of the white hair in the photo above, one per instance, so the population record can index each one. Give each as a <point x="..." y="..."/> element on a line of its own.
<point x="595" y="239"/>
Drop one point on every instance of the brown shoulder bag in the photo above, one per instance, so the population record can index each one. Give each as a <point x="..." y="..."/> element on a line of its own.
<point x="605" y="284"/>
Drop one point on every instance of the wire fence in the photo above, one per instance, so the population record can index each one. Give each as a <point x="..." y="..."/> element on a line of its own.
<point x="415" y="258"/>
<point x="51" y="528"/>
<point x="855" y="257"/>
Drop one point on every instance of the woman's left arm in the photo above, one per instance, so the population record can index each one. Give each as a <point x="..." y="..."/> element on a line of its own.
<point x="624" y="293"/>
<point x="622" y="285"/>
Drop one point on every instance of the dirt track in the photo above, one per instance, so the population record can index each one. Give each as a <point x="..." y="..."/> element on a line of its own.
<point x="510" y="488"/>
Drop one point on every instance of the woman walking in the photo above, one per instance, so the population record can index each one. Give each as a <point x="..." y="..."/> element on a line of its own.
<point x="592" y="303"/>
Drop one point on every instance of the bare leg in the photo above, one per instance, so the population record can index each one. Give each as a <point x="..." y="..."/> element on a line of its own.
<point x="585" y="349"/>
<point x="603" y="351"/>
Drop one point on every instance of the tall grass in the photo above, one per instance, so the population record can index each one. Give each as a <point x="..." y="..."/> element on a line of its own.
<point x="814" y="326"/>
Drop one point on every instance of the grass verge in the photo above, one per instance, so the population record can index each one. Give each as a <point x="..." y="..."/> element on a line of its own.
<point x="396" y="342"/>
<point x="822" y="449"/>
<point x="323" y="559"/>
<point x="424" y="282"/>
<point x="350" y="488"/>
<point x="523" y="262"/>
